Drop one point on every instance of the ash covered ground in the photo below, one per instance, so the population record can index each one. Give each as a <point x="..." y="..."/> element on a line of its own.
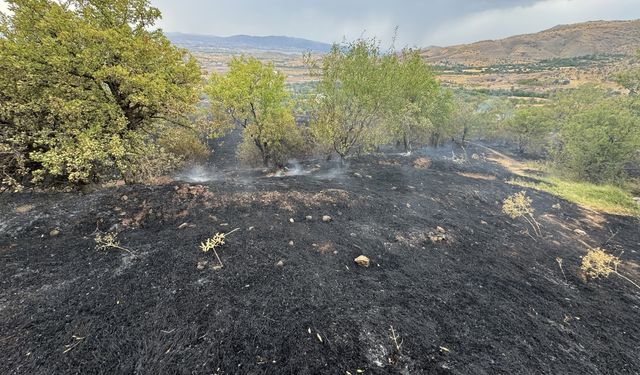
<point x="465" y="288"/>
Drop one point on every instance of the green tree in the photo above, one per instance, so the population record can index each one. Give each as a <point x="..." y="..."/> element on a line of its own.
<point x="597" y="143"/>
<point x="84" y="86"/>
<point x="350" y="96"/>
<point x="416" y="107"/>
<point x="253" y="95"/>
<point x="529" y="127"/>
<point x="442" y="118"/>
<point x="630" y="80"/>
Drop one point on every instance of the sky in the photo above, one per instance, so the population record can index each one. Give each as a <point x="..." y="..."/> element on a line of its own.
<point x="420" y="23"/>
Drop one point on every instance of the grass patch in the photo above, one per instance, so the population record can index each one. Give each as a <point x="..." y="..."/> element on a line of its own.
<point x="605" y="198"/>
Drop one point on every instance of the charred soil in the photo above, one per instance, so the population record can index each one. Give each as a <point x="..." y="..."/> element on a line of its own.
<point x="465" y="288"/>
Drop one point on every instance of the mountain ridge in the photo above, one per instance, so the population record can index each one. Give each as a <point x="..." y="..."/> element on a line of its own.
<point x="561" y="41"/>
<point x="275" y="43"/>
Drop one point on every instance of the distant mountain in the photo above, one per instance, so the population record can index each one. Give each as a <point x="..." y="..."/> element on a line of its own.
<point x="284" y="44"/>
<point x="565" y="41"/>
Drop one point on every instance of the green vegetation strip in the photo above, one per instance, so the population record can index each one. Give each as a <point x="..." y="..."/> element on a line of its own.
<point x="606" y="198"/>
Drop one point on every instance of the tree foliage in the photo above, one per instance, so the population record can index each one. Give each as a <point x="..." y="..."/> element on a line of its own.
<point x="630" y="79"/>
<point x="529" y="127"/>
<point x="416" y="108"/>
<point x="350" y="95"/>
<point x="253" y="95"/>
<point x="597" y="143"/>
<point x="84" y="85"/>
<point x="365" y="98"/>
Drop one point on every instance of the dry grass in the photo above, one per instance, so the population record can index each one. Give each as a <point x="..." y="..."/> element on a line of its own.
<point x="106" y="241"/>
<point x="519" y="205"/>
<point x="213" y="243"/>
<point x="422" y="163"/>
<point x="599" y="264"/>
<point x="478" y="176"/>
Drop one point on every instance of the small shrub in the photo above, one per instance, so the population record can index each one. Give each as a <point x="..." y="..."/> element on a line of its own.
<point x="106" y="241"/>
<point x="519" y="205"/>
<point x="149" y="164"/>
<point x="213" y="243"/>
<point x="599" y="264"/>
<point x="185" y="144"/>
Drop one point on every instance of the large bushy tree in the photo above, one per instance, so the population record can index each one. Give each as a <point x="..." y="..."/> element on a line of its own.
<point x="253" y="95"/>
<point x="350" y="96"/>
<point x="599" y="142"/>
<point x="85" y="87"/>
<point x="529" y="127"/>
<point x="417" y="109"/>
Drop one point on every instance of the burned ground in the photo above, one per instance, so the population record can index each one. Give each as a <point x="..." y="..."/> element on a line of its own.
<point x="486" y="299"/>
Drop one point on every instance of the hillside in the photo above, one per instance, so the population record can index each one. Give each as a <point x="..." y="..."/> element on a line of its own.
<point x="463" y="286"/>
<point x="566" y="41"/>
<point x="208" y="43"/>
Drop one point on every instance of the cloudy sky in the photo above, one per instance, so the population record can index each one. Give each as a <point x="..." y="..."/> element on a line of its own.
<point x="420" y="22"/>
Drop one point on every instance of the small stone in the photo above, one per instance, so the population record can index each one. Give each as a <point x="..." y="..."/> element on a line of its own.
<point x="362" y="261"/>
<point x="290" y="243"/>
<point x="291" y="220"/>
<point x="309" y="217"/>
<point x="280" y="263"/>
<point x="357" y="175"/>
<point x="124" y="198"/>
<point x="202" y="264"/>
<point x="24" y="209"/>
<point x="483" y="222"/>
<point x="54" y="232"/>
<point x="440" y="229"/>
<point x="580" y="232"/>
<point x="637" y="199"/>
<point x="183" y="225"/>
<point x="327" y="219"/>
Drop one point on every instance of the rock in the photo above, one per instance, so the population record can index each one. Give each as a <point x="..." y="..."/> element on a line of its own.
<point x="580" y="232"/>
<point x="292" y="221"/>
<point x="202" y="264"/>
<point x="124" y="198"/>
<point x="327" y="219"/>
<point x="183" y="225"/>
<point x="438" y="236"/>
<point x="309" y="217"/>
<point x="280" y="263"/>
<point x="362" y="261"/>
<point x="290" y="243"/>
<point x="54" y="232"/>
<point x="637" y="199"/>
<point x="24" y="209"/>
<point x="483" y="222"/>
<point x="357" y="175"/>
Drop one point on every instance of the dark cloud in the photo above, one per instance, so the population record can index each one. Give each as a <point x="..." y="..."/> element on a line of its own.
<point x="420" y="22"/>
